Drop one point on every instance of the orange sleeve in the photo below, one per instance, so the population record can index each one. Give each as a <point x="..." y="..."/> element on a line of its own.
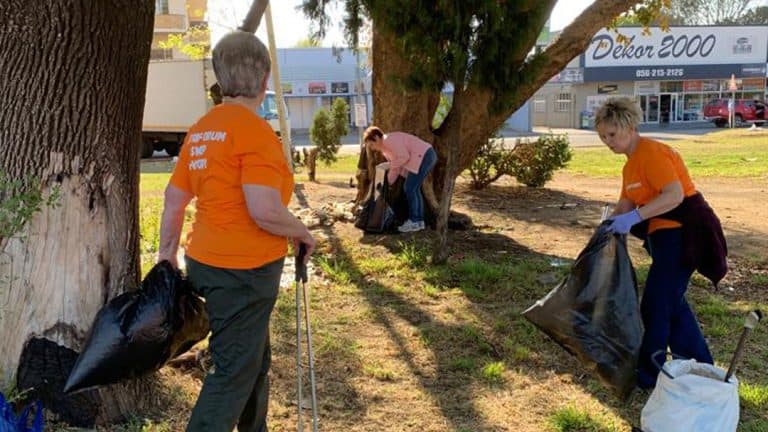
<point x="180" y="176"/>
<point x="260" y="156"/>
<point x="661" y="171"/>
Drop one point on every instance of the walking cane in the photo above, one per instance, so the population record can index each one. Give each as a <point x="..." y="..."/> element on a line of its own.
<point x="301" y="276"/>
<point x="752" y="319"/>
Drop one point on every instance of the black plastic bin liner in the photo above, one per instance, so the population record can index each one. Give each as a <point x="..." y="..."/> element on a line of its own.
<point x="594" y="313"/>
<point x="139" y="331"/>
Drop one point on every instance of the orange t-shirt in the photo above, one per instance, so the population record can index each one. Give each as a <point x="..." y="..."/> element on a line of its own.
<point x="649" y="168"/>
<point x="227" y="148"/>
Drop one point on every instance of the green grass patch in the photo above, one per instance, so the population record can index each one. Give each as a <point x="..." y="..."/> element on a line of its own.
<point x="412" y="255"/>
<point x="136" y="424"/>
<point x="377" y="371"/>
<point x="465" y="364"/>
<point x="754" y="425"/>
<point x="754" y="396"/>
<point x="493" y="373"/>
<point x="572" y="419"/>
<point x="344" y="167"/>
<point x="736" y="153"/>
<point x="337" y="269"/>
<point x="335" y="344"/>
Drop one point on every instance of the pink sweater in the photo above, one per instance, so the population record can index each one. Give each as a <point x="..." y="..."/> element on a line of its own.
<point x="404" y="153"/>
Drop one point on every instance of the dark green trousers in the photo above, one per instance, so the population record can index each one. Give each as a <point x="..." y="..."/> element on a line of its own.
<point x="239" y="304"/>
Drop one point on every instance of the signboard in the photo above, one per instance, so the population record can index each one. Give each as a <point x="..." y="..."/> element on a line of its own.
<point x="607" y="88"/>
<point x="287" y="88"/>
<point x="672" y="73"/>
<point x="317" y="88"/>
<point x="361" y="115"/>
<point x="339" y="87"/>
<point x="732" y="83"/>
<point x="647" y="87"/>
<point x="679" y="46"/>
<point x="681" y="53"/>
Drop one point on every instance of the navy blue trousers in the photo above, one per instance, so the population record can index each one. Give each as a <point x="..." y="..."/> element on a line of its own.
<point x="667" y="317"/>
<point x="413" y="186"/>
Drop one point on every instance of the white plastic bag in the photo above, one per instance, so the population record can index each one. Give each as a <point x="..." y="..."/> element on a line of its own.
<point x="697" y="399"/>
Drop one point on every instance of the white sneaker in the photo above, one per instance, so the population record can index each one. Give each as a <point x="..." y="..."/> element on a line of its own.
<point x="410" y="226"/>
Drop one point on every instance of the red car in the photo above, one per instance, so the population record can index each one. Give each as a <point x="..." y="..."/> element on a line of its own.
<point x="746" y="110"/>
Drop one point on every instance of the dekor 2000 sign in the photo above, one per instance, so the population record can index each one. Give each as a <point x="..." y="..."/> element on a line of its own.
<point x="696" y="46"/>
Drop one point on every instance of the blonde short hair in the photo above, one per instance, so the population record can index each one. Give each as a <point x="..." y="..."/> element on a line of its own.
<point x="621" y="112"/>
<point x="241" y="62"/>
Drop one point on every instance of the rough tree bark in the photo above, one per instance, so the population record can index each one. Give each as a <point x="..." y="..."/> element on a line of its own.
<point x="471" y="120"/>
<point x="74" y="74"/>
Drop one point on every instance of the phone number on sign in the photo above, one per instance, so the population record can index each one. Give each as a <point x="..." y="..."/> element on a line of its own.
<point x="659" y="73"/>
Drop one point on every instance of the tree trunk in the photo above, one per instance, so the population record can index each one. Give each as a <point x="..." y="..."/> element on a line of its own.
<point x="396" y="109"/>
<point x="72" y="99"/>
<point x="310" y="160"/>
<point x="451" y="147"/>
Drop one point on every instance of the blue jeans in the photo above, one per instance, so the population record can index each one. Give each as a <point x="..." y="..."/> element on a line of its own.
<point x="413" y="186"/>
<point x="667" y="317"/>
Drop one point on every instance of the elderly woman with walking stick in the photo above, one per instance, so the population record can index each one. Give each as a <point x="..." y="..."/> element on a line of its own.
<point x="233" y="164"/>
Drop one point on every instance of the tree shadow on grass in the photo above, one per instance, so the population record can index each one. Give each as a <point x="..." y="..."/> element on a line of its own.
<point x="499" y="286"/>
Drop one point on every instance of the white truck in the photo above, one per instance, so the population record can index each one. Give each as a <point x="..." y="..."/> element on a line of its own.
<point x="176" y="98"/>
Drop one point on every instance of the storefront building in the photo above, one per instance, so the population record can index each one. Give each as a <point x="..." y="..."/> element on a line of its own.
<point x="672" y="75"/>
<point x="311" y="78"/>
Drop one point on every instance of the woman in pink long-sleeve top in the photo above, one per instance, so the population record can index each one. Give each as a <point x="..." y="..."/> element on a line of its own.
<point x="410" y="157"/>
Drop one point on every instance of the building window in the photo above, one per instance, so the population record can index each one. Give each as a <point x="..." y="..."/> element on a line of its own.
<point x="540" y="103"/>
<point x="161" y="54"/>
<point x="563" y="102"/>
<point x="671" y="86"/>
<point x="161" y="7"/>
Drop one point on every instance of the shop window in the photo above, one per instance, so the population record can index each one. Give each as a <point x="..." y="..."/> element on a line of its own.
<point x="563" y="102"/>
<point x="540" y="103"/>
<point x="161" y="54"/>
<point x="693" y="107"/>
<point x="161" y="7"/>
<point x="671" y="86"/>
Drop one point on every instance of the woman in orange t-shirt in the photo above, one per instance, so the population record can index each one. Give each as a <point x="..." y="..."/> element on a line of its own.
<point x="233" y="164"/>
<point x="654" y="182"/>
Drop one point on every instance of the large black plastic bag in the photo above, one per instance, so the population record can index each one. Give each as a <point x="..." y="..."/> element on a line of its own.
<point x="594" y="313"/>
<point x="376" y="215"/>
<point x="138" y="332"/>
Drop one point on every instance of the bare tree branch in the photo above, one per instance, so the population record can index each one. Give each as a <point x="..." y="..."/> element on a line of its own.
<point x="572" y="41"/>
<point x="253" y="18"/>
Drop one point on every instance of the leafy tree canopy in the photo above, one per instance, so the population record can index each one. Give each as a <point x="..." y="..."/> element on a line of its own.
<point x="482" y="43"/>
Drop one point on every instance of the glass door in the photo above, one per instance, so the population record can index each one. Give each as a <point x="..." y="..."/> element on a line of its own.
<point x="652" y="110"/>
<point x="676" y="109"/>
<point x="650" y="106"/>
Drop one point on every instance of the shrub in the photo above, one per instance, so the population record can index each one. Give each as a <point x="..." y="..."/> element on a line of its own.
<point x="534" y="163"/>
<point x="531" y="163"/>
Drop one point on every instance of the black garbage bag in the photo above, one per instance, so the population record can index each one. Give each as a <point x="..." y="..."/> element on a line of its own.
<point x="377" y="215"/>
<point x="594" y="313"/>
<point x="139" y="331"/>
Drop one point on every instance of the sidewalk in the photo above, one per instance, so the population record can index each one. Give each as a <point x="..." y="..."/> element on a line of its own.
<point x="579" y="138"/>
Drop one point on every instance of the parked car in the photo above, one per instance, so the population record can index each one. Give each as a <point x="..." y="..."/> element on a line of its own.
<point x="746" y="111"/>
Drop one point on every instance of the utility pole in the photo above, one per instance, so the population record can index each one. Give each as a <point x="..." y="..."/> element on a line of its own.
<point x="284" y="133"/>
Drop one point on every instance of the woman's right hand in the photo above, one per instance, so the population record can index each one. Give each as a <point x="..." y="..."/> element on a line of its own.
<point x="309" y="243"/>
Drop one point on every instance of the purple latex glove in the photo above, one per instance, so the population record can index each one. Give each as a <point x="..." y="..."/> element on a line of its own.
<point x="621" y="224"/>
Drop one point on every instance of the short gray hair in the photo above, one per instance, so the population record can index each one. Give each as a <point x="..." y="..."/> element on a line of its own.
<point x="621" y="112"/>
<point x="241" y="61"/>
